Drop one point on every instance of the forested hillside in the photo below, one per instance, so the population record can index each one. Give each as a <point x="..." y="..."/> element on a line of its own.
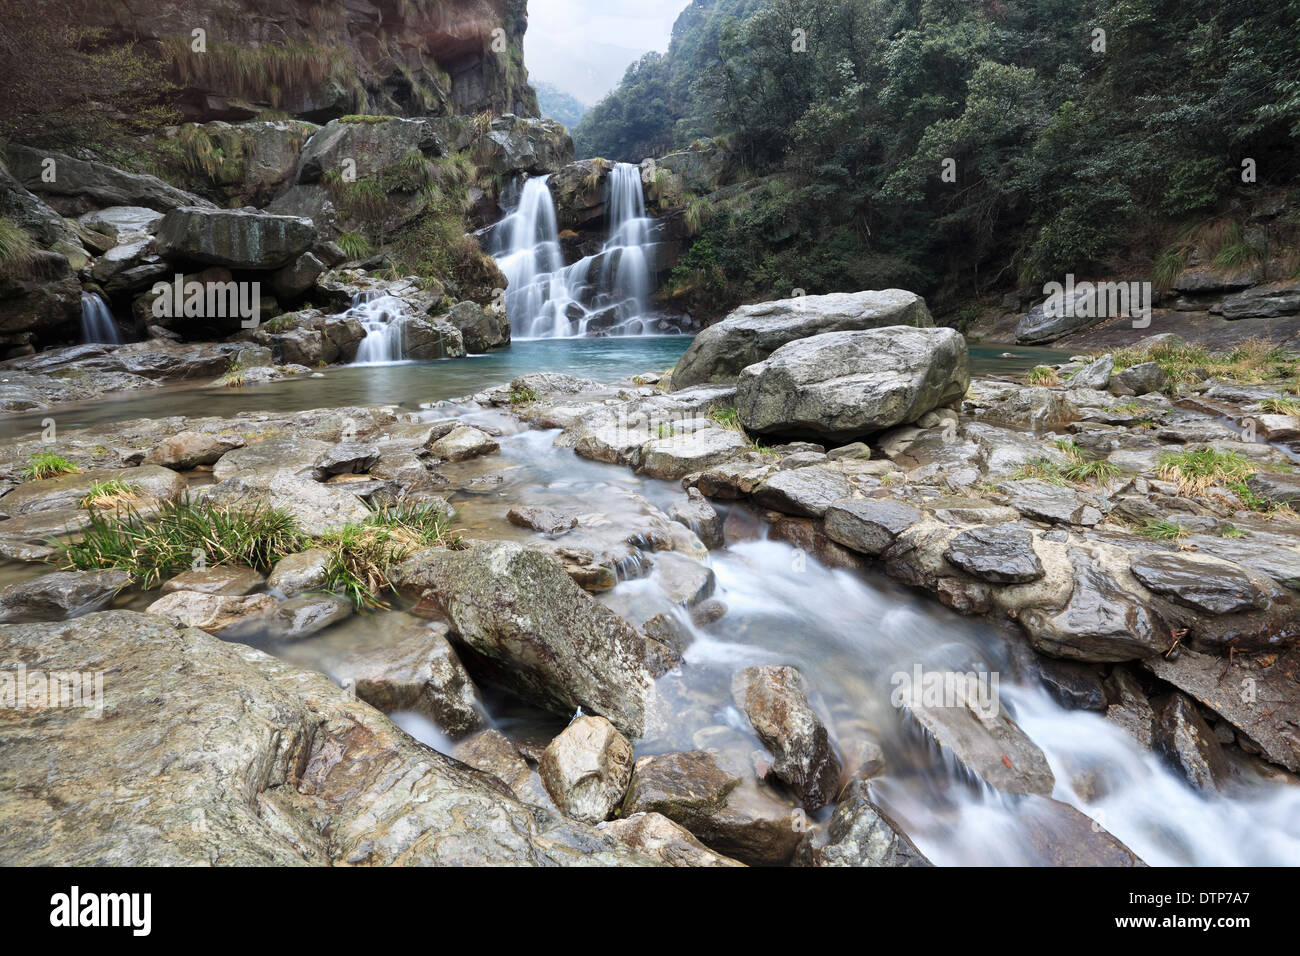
<point x="1084" y="136"/>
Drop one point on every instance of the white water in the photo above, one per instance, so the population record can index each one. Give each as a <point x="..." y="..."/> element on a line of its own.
<point x="384" y="318"/>
<point x="848" y="633"/>
<point x="97" y="323"/>
<point x="607" y="293"/>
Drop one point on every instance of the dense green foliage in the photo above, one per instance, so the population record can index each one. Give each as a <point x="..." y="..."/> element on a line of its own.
<point x="558" y="105"/>
<point x="1068" y="157"/>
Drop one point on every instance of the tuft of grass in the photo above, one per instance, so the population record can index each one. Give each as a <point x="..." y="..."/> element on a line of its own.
<point x="1043" y="375"/>
<point x="727" y="418"/>
<point x="1162" y="529"/>
<point x="1231" y="531"/>
<point x="17" y="249"/>
<point x="1250" y="363"/>
<point x="1197" y="471"/>
<point x="354" y="245"/>
<point x="363" y="555"/>
<point x="181" y="533"/>
<point x="111" y="494"/>
<point x="1280" y="406"/>
<point x="522" y="395"/>
<point x="46" y="464"/>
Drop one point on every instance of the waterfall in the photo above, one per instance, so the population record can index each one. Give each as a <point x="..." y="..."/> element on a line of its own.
<point x="606" y="294"/>
<point x="383" y="318"/>
<point x="97" y="323"/>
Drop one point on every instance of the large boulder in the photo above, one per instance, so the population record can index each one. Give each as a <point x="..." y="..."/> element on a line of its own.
<point x="753" y="332"/>
<point x="518" y="144"/>
<point x="841" y="386"/>
<point x="235" y="238"/>
<point x="79" y="185"/>
<point x="547" y="638"/>
<point x="482" y="330"/>
<point x="277" y="766"/>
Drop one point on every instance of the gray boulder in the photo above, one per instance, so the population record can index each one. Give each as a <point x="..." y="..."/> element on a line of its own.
<point x="550" y="640"/>
<point x="235" y="238"/>
<point x="842" y="386"/>
<point x="482" y="330"/>
<point x="753" y="332"/>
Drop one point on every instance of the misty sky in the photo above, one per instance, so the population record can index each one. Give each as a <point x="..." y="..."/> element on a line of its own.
<point x="583" y="46"/>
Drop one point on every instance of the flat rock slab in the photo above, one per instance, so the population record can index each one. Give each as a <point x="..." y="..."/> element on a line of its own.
<point x="60" y="595"/>
<point x="1257" y="698"/>
<point x="803" y="492"/>
<point x="869" y="525"/>
<point x="1002" y="554"/>
<point x="1203" y="584"/>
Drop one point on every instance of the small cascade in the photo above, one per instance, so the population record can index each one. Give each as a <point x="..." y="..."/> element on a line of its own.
<point x="97" y="323"/>
<point x="382" y="316"/>
<point x="604" y="294"/>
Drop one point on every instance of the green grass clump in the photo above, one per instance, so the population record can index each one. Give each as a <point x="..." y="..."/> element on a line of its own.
<point x="362" y="555"/>
<point x="726" y="417"/>
<point x="46" y="464"/>
<point x="1162" y="529"/>
<point x="1280" y="406"/>
<point x="17" y="249"/>
<point x="113" y="493"/>
<point x="1043" y="375"/>
<point x="160" y="546"/>
<point x="1197" y="471"/>
<point x="1250" y="363"/>
<point x="354" y="245"/>
<point x="522" y="395"/>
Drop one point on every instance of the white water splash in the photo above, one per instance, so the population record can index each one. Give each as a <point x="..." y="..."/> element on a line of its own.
<point x="97" y="323"/>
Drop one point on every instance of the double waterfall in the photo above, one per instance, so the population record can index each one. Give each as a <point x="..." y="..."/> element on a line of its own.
<point x="605" y="294"/>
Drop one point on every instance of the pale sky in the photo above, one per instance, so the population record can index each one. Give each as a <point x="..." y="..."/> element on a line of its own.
<point x="583" y="46"/>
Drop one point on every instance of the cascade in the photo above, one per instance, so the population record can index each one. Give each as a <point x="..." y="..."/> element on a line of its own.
<point x="97" y="323"/>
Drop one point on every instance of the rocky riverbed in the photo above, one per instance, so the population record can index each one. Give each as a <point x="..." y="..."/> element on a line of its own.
<point x="639" y="636"/>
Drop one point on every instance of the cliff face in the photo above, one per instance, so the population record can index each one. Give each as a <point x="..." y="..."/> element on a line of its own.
<point x="320" y="59"/>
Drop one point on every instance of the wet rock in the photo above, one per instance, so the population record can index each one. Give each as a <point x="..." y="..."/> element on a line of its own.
<point x="231" y="579"/>
<point x="346" y="458"/>
<point x="187" y="450"/>
<point x="1186" y="742"/>
<point x="1203" y="584"/>
<point x="1265" y="301"/>
<point x="1095" y="374"/>
<point x="493" y="753"/>
<point x="1045" y="501"/>
<point x="277" y="455"/>
<point x="1277" y="487"/>
<point x="697" y="514"/>
<point x="732" y="480"/>
<point x="586" y="769"/>
<point x="1073" y="686"/>
<point x="1129" y="707"/>
<point x="399" y="663"/>
<point x="234" y="238"/>
<point x="843" y="386"/>
<point x="774" y="701"/>
<point x="292" y="281"/>
<point x="869" y="525"/>
<point x="60" y="595"/>
<point x="1002" y="554"/>
<point x="862" y="834"/>
<point x="1274" y="557"/>
<point x="555" y="645"/>
<point x="541" y="520"/>
<point x="1058" y="316"/>
<point x="213" y="613"/>
<point x="67" y="491"/>
<point x="753" y="332"/>
<point x="968" y="722"/>
<point x="1100" y="621"/>
<point x="296" y="573"/>
<point x="336" y="782"/>
<point x="306" y="614"/>
<point x="1059" y="835"/>
<point x="1139" y="379"/>
<point x="683" y="580"/>
<point x="656" y="836"/>
<point x="676" y="456"/>
<point x="1257" y="696"/>
<point x="463" y="443"/>
<point x="481" y="329"/>
<point x="804" y="492"/>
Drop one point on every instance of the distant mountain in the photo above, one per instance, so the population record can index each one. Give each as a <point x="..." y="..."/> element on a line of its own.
<point x="558" y="105"/>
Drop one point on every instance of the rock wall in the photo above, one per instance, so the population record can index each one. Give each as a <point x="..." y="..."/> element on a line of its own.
<point x="320" y="59"/>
